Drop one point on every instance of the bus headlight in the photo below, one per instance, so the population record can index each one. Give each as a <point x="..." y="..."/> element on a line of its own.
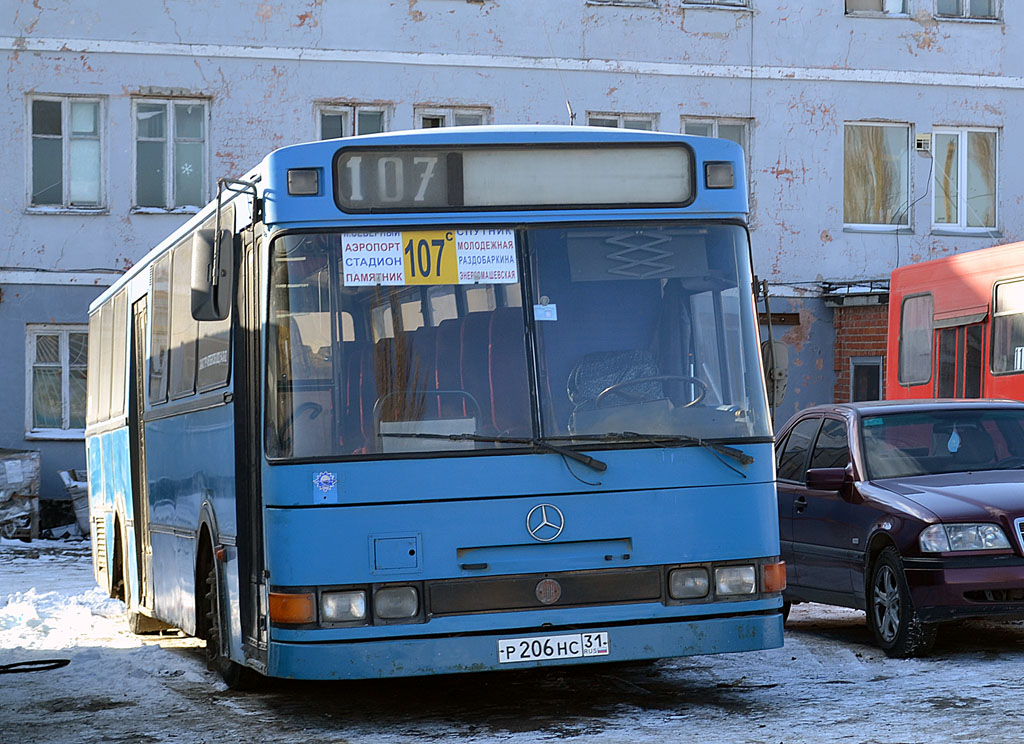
<point x="396" y="602"/>
<point x="688" y="583"/>
<point x="343" y="607"/>
<point x="735" y="580"/>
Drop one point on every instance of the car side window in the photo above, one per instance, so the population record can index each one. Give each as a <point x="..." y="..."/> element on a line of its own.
<point x="793" y="455"/>
<point x="832" y="450"/>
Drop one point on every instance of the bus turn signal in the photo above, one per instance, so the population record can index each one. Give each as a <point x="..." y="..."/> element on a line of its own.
<point x="292" y="609"/>
<point x="774" y="576"/>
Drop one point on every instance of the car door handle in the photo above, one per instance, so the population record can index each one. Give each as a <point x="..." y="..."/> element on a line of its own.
<point x="800" y="503"/>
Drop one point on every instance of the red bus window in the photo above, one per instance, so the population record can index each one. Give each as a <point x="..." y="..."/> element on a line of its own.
<point x="945" y="384"/>
<point x="915" y="363"/>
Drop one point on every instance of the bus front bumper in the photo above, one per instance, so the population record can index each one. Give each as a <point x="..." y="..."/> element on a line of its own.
<point x="417" y="656"/>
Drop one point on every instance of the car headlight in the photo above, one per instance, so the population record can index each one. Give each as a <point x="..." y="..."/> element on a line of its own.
<point x="946" y="538"/>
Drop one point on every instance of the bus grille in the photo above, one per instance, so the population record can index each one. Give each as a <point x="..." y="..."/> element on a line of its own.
<point x="101" y="543"/>
<point x="578" y="589"/>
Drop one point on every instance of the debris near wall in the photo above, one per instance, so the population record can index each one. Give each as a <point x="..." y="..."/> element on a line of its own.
<point x="19" y="494"/>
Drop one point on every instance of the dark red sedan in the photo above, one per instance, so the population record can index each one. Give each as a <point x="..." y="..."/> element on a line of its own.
<point x="910" y="510"/>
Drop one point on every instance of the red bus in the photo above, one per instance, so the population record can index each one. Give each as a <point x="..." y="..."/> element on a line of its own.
<point x="956" y="326"/>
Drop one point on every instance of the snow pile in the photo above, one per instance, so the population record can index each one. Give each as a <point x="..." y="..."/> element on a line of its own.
<point x="52" y="620"/>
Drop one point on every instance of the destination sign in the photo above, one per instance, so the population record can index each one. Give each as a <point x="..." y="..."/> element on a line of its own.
<point x="429" y="257"/>
<point x="514" y="178"/>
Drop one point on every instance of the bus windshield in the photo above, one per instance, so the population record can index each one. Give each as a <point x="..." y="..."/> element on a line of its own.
<point x="585" y="331"/>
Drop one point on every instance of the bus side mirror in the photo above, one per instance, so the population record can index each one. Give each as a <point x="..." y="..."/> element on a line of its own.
<point x="776" y="370"/>
<point x="212" y="300"/>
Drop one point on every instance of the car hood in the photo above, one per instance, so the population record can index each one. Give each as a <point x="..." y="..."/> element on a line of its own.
<point x="977" y="496"/>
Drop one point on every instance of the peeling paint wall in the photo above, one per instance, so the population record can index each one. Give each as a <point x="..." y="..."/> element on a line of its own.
<point x="797" y="71"/>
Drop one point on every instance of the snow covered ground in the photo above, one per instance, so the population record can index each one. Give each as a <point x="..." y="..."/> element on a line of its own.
<point x="827" y="684"/>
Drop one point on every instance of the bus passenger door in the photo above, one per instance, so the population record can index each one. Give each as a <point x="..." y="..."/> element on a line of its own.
<point x="137" y="438"/>
<point x="959" y="355"/>
<point x="248" y="451"/>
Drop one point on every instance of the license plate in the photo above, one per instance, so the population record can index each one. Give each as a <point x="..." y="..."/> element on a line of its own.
<point x="543" y="648"/>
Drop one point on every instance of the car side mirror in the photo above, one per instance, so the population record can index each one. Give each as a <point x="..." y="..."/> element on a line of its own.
<point x="826" y="479"/>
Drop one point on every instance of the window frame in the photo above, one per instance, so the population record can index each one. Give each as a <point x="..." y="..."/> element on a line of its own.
<point x="963" y="166"/>
<point x="621" y="117"/>
<point x="882" y="12"/>
<point x="965" y="15"/>
<point x="66" y="205"/>
<point x="449" y="113"/>
<point x="715" y="122"/>
<point x="890" y="227"/>
<point x="728" y="4"/>
<point x="351" y="113"/>
<point x="867" y="361"/>
<point x="170" y="139"/>
<point x="64" y="330"/>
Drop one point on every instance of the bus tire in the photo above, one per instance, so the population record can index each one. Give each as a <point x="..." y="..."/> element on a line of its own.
<point x="235" y="675"/>
<point x="894" y="622"/>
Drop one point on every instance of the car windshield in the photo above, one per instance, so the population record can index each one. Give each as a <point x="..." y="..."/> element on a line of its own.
<point x="942" y="441"/>
<point x="537" y="333"/>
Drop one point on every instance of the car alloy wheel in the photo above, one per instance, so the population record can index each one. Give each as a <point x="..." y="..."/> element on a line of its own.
<point x="886" y="603"/>
<point x="891" y="615"/>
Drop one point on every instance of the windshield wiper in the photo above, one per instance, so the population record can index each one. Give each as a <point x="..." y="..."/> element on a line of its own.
<point x="541" y="444"/>
<point x="669" y="440"/>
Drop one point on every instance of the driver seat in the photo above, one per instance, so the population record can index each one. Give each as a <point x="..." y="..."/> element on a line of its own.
<point x="599" y="370"/>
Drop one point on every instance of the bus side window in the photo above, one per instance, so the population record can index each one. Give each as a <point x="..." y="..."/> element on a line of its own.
<point x="158" y="330"/>
<point x="116" y="357"/>
<point x="184" y="328"/>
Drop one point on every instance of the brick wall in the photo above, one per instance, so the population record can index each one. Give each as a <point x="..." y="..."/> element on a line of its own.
<point x="860" y="332"/>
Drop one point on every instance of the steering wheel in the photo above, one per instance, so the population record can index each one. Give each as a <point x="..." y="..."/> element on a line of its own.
<point x="616" y="388"/>
<point x="314" y="409"/>
<point x="1010" y="463"/>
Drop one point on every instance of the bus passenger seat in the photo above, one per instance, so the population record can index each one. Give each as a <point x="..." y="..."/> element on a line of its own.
<point x="447" y="373"/>
<point x="475" y="363"/>
<point x="510" y="391"/>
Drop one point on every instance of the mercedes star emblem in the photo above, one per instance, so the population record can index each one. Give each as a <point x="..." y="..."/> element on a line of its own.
<point x="545" y="522"/>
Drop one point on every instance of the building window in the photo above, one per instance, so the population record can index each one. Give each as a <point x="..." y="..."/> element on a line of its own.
<point x="888" y="7"/>
<point x="981" y="9"/>
<point x="865" y="378"/>
<point x="170" y="154"/>
<point x="347" y="120"/>
<point x="876" y="175"/>
<point x="647" y="122"/>
<point x="734" y="130"/>
<point x="431" y="118"/>
<point x="57" y="359"/>
<point x="630" y="3"/>
<point x="965" y="178"/>
<point x="728" y="3"/>
<point x="66" y="153"/>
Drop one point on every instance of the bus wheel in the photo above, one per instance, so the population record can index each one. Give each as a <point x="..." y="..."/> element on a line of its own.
<point x="236" y="676"/>
<point x="894" y="622"/>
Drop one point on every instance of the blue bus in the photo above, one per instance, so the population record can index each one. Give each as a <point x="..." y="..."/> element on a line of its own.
<point x="443" y="401"/>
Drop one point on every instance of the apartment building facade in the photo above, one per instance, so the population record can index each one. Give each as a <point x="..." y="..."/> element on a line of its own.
<point x="877" y="133"/>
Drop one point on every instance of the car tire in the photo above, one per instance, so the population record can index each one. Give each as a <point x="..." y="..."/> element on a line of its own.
<point x="894" y="622"/>
<point x="786" y="607"/>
